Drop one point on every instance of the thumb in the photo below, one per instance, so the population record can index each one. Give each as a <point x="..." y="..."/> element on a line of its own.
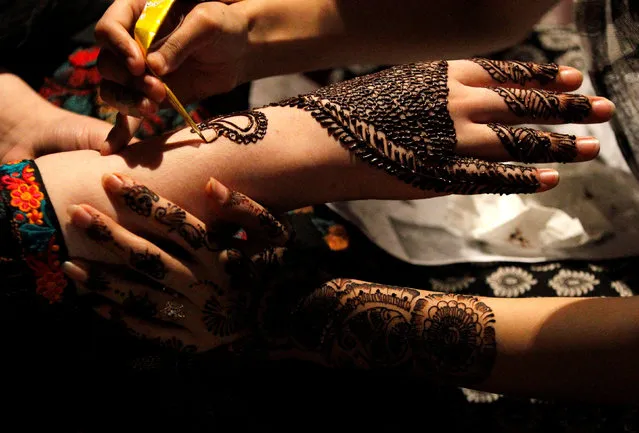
<point x="197" y="28"/>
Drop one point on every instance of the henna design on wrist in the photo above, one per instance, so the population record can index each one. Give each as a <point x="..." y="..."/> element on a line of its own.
<point x="372" y="326"/>
<point x="532" y="145"/>
<point x="518" y="72"/>
<point x="149" y="264"/>
<point x="252" y="132"/>
<point x="224" y="313"/>
<point x="397" y="120"/>
<point x="543" y="104"/>
<point x="140" y="199"/>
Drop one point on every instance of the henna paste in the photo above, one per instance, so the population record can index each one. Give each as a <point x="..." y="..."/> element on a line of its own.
<point x="519" y="72"/>
<point x="532" y="145"/>
<point x="174" y="217"/>
<point x="398" y="120"/>
<point x="252" y="132"/>
<point x="224" y="313"/>
<point x="542" y="104"/>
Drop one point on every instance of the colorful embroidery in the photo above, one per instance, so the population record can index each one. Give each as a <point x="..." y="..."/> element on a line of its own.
<point x="35" y="226"/>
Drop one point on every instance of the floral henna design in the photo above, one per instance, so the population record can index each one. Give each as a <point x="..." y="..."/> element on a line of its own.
<point x="140" y="199"/>
<point x="149" y="264"/>
<point x="252" y="132"/>
<point x="455" y="336"/>
<point x="398" y="120"/>
<point x="364" y="325"/>
<point x="518" y="72"/>
<point x="224" y="314"/>
<point x="98" y="231"/>
<point x="542" y="104"/>
<point x="174" y="217"/>
<point x="97" y="280"/>
<point x="532" y="145"/>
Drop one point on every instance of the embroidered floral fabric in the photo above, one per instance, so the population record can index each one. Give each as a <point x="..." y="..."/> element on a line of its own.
<point x="30" y="235"/>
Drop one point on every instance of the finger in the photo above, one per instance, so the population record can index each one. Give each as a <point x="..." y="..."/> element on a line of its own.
<point x="201" y="25"/>
<point x="498" y="142"/>
<point x="481" y="72"/>
<point x="158" y="215"/>
<point x="512" y="106"/>
<point x="458" y="175"/>
<point x="128" y="248"/>
<point x="135" y="296"/>
<point x="173" y="338"/>
<point x="121" y="134"/>
<point x="113" y="32"/>
<point x="257" y="222"/>
<point x="127" y="100"/>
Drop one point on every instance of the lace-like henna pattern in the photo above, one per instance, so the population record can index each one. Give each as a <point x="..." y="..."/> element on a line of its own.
<point x="542" y="104"/>
<point x="455" y="336"/>
<point x="518" y="72"/>
<point x="252" y="132"/>
<point x="398" y="120"/>
<point x="371" y="326"/>
<point x="531" y="145"/>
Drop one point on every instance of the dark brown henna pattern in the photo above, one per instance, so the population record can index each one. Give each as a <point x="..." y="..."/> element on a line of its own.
<point x="455" y="336"/>
<point x="532" y="145"/>
<point x="98" y="231"/>
<point x="518" y="72"/>
<point x="224" y="314"/>
<point x="272" y="227"/>
<point x="364" y="325"/>
<point x="174" y="217"/>
<point x="397" y="120"/>
<point x="140" y="199"/>
<point x="253" y="131"/>
<point x="542" y="104"/>
<point x="97" y="280"/>
<point x="149" y="264"/>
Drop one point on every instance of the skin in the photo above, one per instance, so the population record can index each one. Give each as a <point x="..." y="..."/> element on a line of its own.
<point x="222" y="44"/>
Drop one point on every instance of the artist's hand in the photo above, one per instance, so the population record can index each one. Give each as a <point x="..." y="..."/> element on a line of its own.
<point x="202" y="57"/>
<point x="30" y="126"/>
<point x="200" y="287"/>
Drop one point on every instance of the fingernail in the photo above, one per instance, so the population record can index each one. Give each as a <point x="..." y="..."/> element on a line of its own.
<point x="112" y="182"/>
<point x="147" y="106"/>
<point x="603" y="106"/>
<point x="157" y="63"/>
<point x="74" y="272"/>
<point x="79" y="216"/>
<point x="217" y="191"/>
<point x="570" y="74"/>
<point x="549" y="177"/>
<point x="588" y="145"/>
<point x="105" y="149"/>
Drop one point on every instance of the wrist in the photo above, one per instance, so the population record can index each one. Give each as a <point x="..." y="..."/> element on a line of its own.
<point x="287" y="36"/>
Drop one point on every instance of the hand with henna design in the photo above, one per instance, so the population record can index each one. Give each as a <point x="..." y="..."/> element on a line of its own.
<point x="203" y="291"/>
<point x="445" y="126"/>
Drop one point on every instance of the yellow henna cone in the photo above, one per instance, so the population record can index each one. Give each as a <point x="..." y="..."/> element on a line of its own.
<point x="146" y="28"/>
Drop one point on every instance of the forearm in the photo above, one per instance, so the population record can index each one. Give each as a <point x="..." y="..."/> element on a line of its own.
<point x="544" y="347"/>
<point x="291" y="35"/>
<point x="296" y="163"/>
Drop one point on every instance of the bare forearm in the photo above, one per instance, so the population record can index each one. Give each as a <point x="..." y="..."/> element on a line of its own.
<point x="343" y="32"/>
<point x="583" y="349"/>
